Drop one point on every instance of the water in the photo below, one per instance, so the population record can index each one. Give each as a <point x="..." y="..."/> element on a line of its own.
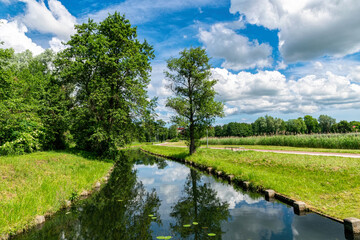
<point x="175" y="195"/>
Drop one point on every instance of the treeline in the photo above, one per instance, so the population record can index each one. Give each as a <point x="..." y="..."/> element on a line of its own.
<point x="91" y="96"/>
<point x="269" y="125"/>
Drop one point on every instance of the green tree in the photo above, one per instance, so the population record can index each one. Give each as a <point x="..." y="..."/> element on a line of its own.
<point x="108" y="68"/>
<point x="312" y="124"/>
<point x="343" y="127"/>
<point x="194" y="101"/>
<point x="325" y="123"/>
<point x="260" y="126"/>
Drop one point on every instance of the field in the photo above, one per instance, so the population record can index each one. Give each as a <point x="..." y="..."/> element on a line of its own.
<point x="40" y="183"/>
<point x="327" y="184"/>
<point x="331" y="141"/>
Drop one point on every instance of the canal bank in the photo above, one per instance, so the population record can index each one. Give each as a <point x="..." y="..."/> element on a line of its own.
<point x="149" y="197"/>
<point x="313" y="180"/>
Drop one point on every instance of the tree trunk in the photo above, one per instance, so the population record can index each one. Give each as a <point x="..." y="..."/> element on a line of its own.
<point x="192" y="147"/>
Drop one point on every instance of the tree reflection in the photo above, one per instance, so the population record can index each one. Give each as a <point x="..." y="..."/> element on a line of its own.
<point x="119" y="211"/>
<point x="199" y="204"/>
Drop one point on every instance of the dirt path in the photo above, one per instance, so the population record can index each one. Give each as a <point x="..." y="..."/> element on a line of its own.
<point x="349" y="155"/>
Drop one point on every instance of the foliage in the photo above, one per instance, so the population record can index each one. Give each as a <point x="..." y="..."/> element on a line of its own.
<point x="325" y="123"/>
<point x="194" y="92"/>
<point x="108" y="70"/>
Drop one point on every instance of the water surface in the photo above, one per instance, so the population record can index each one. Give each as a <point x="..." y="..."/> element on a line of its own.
<point x="147" y="197"/>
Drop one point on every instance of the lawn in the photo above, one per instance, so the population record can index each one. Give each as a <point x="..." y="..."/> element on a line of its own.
<point x="327" y="184"/>
<point x="40" y="183"/>
<point x="264" y="147"/>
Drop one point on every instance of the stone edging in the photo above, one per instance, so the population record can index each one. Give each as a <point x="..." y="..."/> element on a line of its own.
<point x="245" y="184"/>
<point x="39" y="220"/>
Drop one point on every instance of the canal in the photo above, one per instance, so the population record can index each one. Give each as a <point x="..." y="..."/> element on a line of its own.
<point x="153" y="198"/>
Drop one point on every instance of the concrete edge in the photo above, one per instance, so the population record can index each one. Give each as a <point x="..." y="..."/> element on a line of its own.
<point x="247" y="186"/>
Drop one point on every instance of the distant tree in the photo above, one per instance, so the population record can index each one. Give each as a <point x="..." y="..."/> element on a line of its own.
<point x="218" y="131"/>
<point x="325" y="123"/>
<point x="194" y="101"/>
<point x="173" y="131"/>
<point x="355" y="126"/>
<point x="108" y="68"/>
<point x="312" y="125"/>
<point x="280" y="125"/>
<point x="343" y="127"/>
<point x="260" y="126"/>
<point x="296" y="126"/>
<point x="270" y="124"/>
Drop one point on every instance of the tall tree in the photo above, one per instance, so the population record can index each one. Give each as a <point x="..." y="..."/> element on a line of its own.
<point x="325" y="123"/>
<point x="312" y="124"/>
<point x="109" y="69"/>
<point x="194" y="100"/>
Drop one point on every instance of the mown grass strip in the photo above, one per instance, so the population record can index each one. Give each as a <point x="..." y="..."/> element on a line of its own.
<point x="269" y="147"/>
<point x="40" y="183"/>
<point x="327" y="184"/>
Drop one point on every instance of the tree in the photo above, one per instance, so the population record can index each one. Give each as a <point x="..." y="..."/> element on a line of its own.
<point x="108" y="68"/>
<point x="325" y="123"/>
<point x="194" y="93"/>
<point x="312" y="124"/>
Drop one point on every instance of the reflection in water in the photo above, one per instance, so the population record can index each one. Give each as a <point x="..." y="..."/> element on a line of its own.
<point x="200" y="204"/>
<point x="119" y="211"/>
<point x="142" y="185"/>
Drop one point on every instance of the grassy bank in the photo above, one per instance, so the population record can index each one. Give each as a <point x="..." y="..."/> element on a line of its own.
<point x="282" y="148"/>
<point x="40" y="183"/>
<point x="331" y="141"/>
<point x="328" y="184"/>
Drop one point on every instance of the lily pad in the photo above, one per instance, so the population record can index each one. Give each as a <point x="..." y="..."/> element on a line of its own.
<point x="195" y="223"/>
<point x="153" y="218"/>
<point x="151" y="215"/>
<point x="211" y="234"/>
<point x="164" y="237"/>
<point x="187" y="225"/>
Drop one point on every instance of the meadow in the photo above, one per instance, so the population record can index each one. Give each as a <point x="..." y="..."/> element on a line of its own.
<point x="330" y="141"/>
<point x="40" y="183"/>
<point x="327" y="184"/>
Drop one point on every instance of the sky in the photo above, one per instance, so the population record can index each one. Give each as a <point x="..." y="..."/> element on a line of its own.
<point x="284" y="58"/>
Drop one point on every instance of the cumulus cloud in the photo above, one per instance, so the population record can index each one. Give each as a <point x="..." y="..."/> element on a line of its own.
<point x="308" y="28"/>
<point x="237" y="50"/>
<point x="13" y="34"/>
<point x="55" y="20"/>
<point x="270" y="91"/>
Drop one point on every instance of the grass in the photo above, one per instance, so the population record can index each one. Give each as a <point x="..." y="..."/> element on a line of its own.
<point x="40" y="183"/>
<point x="330" y="141"/>
<point x="327" y="184"/>
<point x="283" y="148"/>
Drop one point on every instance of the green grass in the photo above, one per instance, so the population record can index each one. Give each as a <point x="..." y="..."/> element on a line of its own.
<point x="330" y="141"/>
<point x="327" y="184"/>
<point x="40" y="183"/>
<point x="283" y="148"/>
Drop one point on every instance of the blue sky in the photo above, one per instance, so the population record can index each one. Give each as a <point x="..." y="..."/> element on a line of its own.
<point x="284" y="58"/>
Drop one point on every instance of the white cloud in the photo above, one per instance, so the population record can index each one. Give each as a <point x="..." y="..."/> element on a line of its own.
<point x="237" y="50"/>
<point x="13" y="35"/>
<point x="270" y="91"/>
<point x="55" y="20"/>
<point x="307" y="28"/>
<point x="56" y="44"/>
<point x="228" y="194"/>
